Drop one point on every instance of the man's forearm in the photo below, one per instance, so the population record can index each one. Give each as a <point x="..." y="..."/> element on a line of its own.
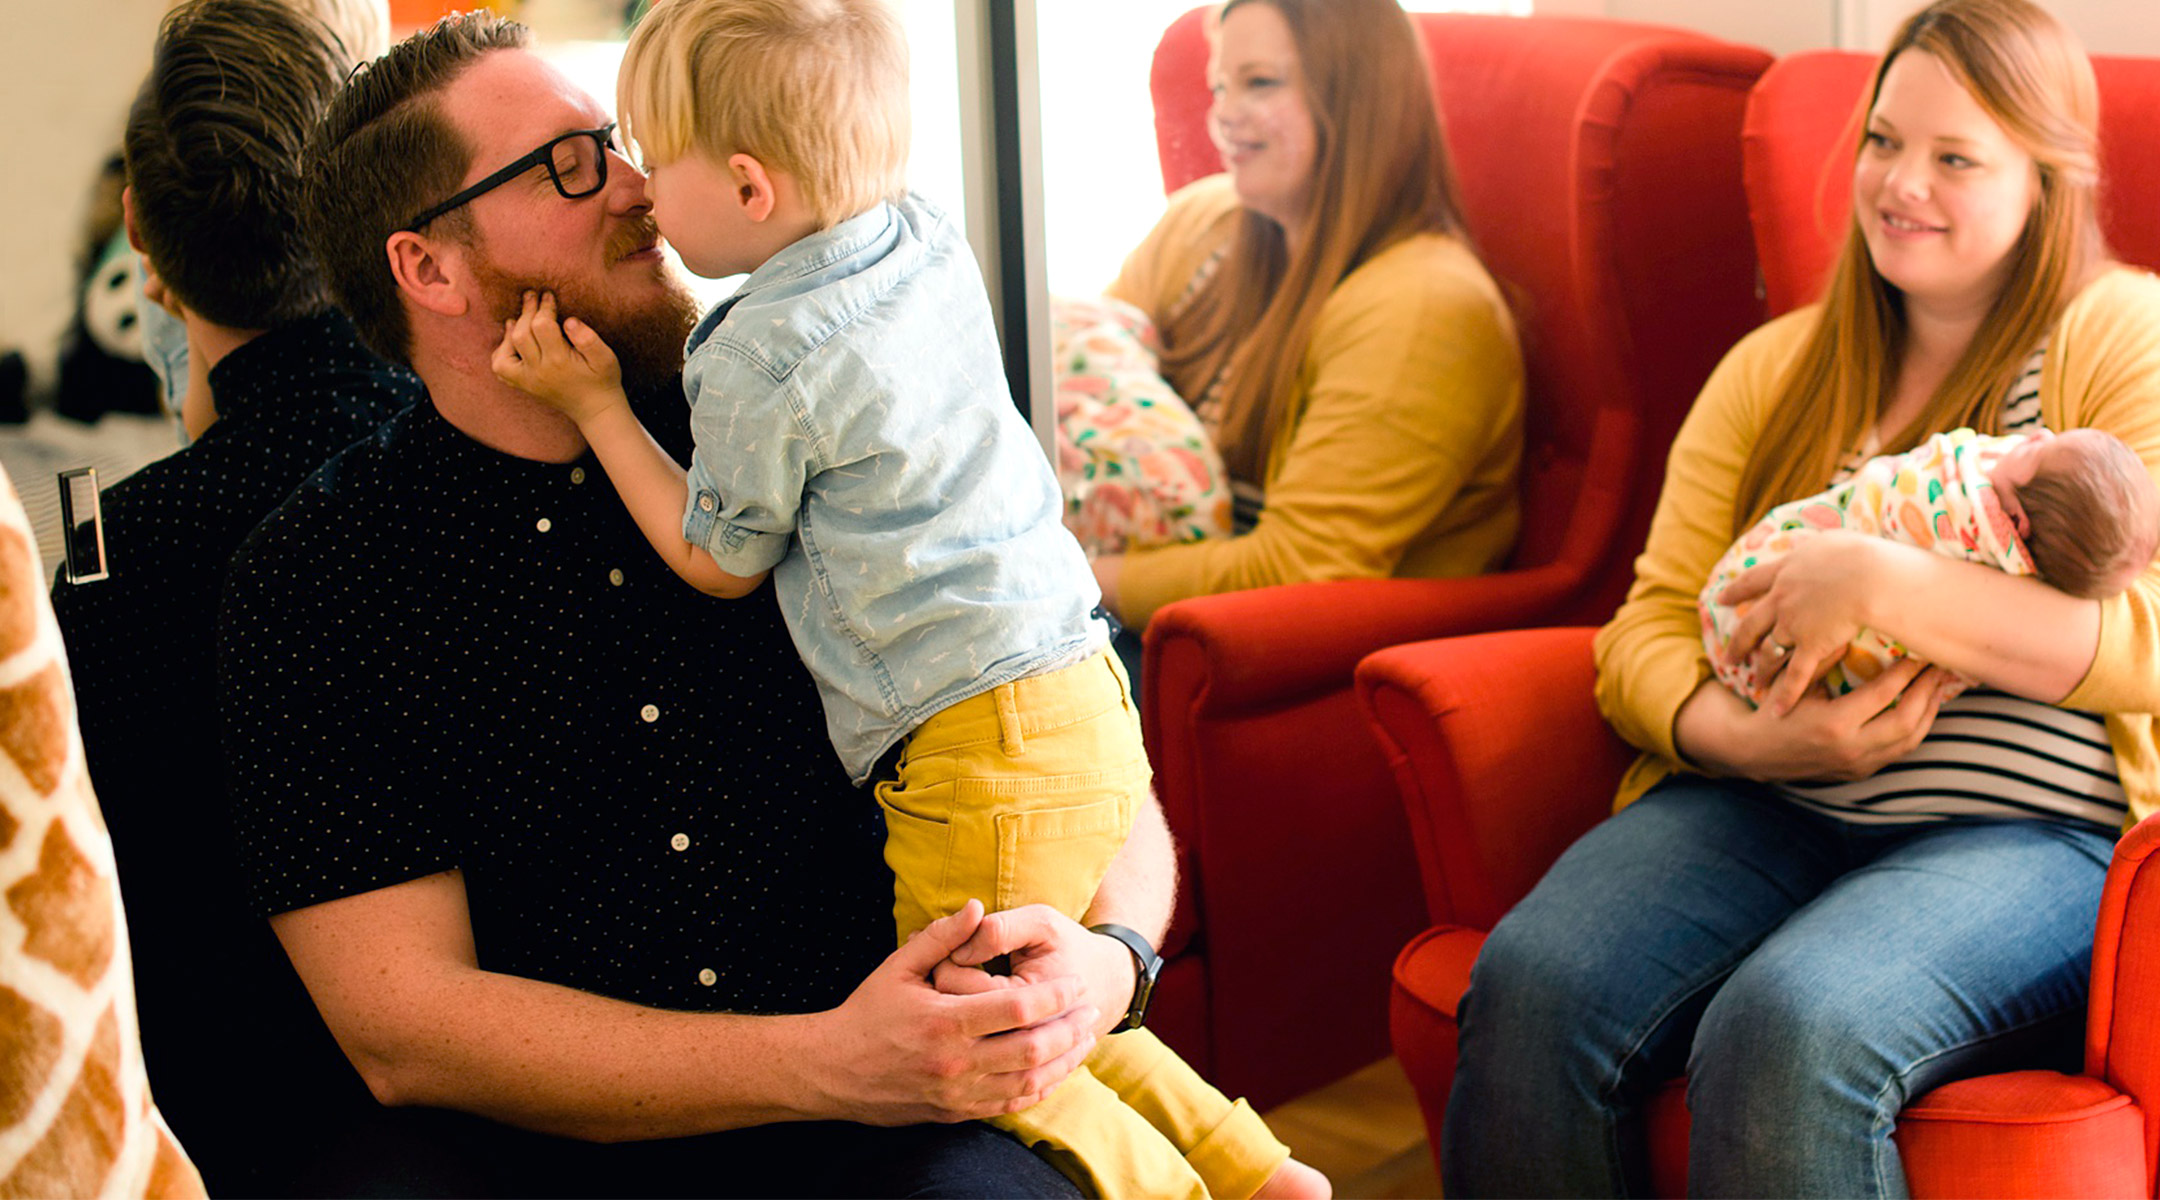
<point x="1139" y="890"/>
<point x="394" y="974"/>
<point x="574" y="1064"/>
<point x="395" y="977"/>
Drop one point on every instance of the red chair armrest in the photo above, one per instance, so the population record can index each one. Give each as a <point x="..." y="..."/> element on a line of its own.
<point x="1265" y="647"/>
<point x="2122" y="1036"/>
<point x="1501" y="757"/>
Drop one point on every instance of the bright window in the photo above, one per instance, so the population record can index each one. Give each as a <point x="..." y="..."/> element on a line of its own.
<point x="1102" y="184"/>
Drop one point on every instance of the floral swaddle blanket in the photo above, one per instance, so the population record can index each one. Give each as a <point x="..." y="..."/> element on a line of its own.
<point x="1935" y="496"/>
<point x="1136" y="466"/>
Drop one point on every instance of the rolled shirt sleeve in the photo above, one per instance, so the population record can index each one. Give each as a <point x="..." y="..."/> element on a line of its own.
<point x="756" y="451"/>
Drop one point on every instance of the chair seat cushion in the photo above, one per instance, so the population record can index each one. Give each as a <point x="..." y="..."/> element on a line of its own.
<point x="2027" y="1133"/>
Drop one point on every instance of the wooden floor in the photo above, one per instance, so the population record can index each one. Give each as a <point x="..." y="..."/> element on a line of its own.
<point x="1365" y="1133"/>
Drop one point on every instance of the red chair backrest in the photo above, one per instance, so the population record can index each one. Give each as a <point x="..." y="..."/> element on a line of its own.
<point x="1802" y="126"/>
<point x="1599" y="164"/>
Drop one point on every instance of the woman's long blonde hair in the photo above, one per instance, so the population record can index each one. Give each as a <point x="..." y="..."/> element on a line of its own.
<point x="2030" y="74"/>
<point x="1380" y="174"/>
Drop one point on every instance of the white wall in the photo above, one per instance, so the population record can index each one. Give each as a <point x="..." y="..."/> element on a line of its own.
<point x="70" y="69"/>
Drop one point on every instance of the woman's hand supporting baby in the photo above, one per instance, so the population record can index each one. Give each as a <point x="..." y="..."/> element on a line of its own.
<point x="2009" y="632"/>
<point x="1804" y="610"/>
<point x="1850" y="737"/>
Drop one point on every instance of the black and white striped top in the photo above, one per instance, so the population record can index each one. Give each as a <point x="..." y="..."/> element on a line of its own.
<point x="1990" y="754"/>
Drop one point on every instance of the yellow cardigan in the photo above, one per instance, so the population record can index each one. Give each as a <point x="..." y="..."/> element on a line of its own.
<point x="2102" y="371"/>
<point x="1399" y="452"/>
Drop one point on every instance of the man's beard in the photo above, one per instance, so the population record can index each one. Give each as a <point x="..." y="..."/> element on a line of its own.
<point x="647" y="337"/>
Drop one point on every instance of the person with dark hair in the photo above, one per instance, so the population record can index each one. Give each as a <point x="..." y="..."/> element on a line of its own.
<point x="1322" y="307"/>
<point x="554" y="841"/>
<point x="361" y="29"/>
<point x="212" y="147"/>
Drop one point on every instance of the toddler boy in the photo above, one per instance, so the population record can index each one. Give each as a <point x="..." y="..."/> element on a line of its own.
<point x="855" y="439"/>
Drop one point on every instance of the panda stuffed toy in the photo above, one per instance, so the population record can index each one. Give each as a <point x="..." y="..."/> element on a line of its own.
<point x="101" y="355"/>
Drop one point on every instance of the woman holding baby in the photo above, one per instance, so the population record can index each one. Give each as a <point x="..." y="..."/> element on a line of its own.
<point x="1820" y="908"/>
<point x="1321" y="309"/>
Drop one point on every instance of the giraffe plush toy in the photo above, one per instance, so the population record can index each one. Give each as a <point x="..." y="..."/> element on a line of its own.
<point x="75" y="1111"/>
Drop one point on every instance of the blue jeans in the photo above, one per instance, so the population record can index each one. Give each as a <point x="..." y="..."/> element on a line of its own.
<point x="1810" y="976"/>
<point x="433" y="1152"/>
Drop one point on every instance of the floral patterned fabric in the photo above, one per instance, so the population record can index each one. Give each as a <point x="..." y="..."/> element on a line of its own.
<point x="1136" y="466"/>
<point x="1935" y="496"/>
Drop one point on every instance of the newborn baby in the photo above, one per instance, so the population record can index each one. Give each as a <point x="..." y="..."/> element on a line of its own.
<point x="2079" y="511"/>
<point x="1137" y="467"/>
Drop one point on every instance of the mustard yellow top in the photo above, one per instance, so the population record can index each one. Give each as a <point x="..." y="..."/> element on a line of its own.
<point x="2102" y="370"/>
<point x="1399" y="449"/>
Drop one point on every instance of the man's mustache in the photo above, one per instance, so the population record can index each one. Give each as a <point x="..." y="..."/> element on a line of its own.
<point x="631" y="238"/>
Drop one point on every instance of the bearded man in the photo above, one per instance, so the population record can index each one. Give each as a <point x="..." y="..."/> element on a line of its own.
<point x="555" y="841"/>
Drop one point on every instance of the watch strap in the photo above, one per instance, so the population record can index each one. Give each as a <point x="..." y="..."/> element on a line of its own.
<point x="1147" y="965"/>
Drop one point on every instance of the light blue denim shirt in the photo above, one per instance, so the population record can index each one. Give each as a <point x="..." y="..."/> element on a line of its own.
<point x="855" y="435"/>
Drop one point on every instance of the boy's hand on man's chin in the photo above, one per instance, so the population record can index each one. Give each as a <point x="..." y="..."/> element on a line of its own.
<point x="565" y="364"/>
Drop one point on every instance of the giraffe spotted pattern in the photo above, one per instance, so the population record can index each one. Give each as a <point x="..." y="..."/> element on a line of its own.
<point x="76" y="1118"/>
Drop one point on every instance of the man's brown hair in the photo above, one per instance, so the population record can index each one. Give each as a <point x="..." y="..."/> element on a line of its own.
<point x="213" y="150"/>
<point x="383" y="153"/>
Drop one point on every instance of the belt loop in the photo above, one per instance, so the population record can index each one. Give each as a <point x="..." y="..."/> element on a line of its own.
<point x="1008" y="711"/>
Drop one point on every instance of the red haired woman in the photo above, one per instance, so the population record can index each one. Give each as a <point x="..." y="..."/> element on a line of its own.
<point x="1320" y="306"/>
<point x="1822" y="908"/>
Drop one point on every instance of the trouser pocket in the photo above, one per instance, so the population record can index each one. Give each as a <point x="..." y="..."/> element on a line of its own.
<point x="919" y="841"/>
<point x="1053" y="846"/>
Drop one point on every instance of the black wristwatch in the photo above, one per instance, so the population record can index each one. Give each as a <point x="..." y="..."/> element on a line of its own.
<point x="1147" y="964"/>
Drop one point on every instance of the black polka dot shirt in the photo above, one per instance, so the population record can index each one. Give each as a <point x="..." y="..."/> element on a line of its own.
<point x="142" y="647"/>
<point x="438" y="657"/>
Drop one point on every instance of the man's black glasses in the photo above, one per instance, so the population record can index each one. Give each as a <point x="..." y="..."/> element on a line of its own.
<point x="576" y="162"/>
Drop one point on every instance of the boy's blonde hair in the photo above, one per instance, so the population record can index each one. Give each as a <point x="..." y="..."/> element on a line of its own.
<point x="814" y="88"/>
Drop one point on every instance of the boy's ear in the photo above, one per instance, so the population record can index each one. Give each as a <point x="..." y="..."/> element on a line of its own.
<point x="753" y="186"/>
<point x="127" y="217"/>
<point x="430" y="273"/>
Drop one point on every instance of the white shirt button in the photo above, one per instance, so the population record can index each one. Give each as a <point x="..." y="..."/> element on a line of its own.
<point x="543" y="525"/>
<point x="680" y="841"/>
<point x="650" y="712"/>
<point x="577" y="474"/>
<point x="708" y="977"/>
<point x="705" y="503"/>
<point x="615" y="576"/>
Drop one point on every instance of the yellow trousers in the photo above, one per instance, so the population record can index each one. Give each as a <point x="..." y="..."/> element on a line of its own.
<point x="1023" y="795"/>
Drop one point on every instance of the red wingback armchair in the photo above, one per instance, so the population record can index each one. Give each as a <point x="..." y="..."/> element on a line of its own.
<point x="1471" y="726"/>
<point x="1599" y="165"/>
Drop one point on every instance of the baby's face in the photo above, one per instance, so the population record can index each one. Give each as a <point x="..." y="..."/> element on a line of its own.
<point x="2017" y="467"/>
<point x="696" y="203"/>
<point x="2021" y="462"/>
